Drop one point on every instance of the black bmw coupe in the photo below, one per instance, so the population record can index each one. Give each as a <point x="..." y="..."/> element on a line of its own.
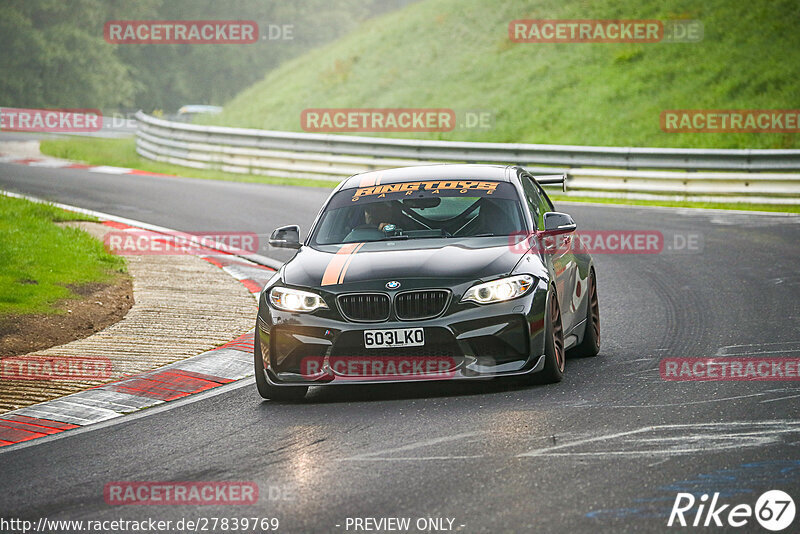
<point x="440" y="272"/>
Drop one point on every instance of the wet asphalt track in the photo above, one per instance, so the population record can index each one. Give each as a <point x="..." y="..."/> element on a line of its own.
<point x="605" y="450"/>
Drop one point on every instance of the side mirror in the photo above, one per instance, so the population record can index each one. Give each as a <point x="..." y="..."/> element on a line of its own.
<point x="556" y="223"/>
<point x="285" y="237"/>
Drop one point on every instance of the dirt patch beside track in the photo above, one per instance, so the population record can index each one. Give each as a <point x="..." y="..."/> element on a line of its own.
<point x="98" y="306"/>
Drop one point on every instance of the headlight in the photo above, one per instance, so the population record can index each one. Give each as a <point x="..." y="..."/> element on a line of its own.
<point x="499" y="290"/>
<point x="294" y="300"/>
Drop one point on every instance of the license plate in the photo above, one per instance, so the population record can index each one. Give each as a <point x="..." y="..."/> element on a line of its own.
<point x="400" y="337"/>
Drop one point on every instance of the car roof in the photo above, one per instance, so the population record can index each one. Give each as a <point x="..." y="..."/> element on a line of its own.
<point x="445" y="171"/>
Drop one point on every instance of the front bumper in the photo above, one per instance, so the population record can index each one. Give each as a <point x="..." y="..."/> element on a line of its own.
<point x="467" y="342"/>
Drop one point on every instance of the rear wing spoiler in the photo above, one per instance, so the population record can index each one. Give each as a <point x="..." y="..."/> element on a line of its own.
<point x="552" y="179"/>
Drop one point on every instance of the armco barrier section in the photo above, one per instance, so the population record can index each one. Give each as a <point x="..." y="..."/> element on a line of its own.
<point x="756" y="176"/>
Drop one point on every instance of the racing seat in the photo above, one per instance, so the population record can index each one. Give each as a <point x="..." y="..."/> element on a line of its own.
<point x="492" y="219"/>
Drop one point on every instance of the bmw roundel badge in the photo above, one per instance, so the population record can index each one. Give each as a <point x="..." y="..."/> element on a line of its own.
<point x="394" y="284"/>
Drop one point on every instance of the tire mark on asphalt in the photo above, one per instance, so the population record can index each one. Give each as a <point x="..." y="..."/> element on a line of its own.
<point x="690" y="438"/>
<point x="381" y="455"/>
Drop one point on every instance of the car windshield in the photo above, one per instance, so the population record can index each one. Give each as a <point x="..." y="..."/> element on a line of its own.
<point x="420" y="210"/>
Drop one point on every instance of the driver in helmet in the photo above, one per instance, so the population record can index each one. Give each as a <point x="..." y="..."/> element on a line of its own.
<point x="378" y="215"/>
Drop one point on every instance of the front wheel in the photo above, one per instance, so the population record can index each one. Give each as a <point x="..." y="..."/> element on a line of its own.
<point x="554" y="358"/>
<point x="590" y="346"/>
<point x="267" y="390"/>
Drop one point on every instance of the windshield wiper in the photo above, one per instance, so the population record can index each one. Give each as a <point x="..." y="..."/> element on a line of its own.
<point x="482" y="235"/>
<point x="408" y="236"/>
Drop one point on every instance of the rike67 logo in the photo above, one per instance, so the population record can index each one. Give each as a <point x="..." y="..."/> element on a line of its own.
<point x="774" y="510"/>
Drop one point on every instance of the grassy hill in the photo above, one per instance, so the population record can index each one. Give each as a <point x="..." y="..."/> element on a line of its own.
<point x="456" y="54"/>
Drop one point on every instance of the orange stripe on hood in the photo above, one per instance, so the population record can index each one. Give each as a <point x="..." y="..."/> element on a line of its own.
<point x="334" y="272"/>
<point x="347" y="264"/>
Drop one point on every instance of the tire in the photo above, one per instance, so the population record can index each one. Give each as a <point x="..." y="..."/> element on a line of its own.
<point x="590" y="346"/>
<point x="267" y="390"/>
<point x="554" y="355"/>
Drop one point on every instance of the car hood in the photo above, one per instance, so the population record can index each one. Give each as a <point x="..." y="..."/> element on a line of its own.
<point x="337" y="265"/>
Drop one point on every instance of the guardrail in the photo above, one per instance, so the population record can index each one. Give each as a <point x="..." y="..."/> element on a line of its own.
<point x="591" y="171"/>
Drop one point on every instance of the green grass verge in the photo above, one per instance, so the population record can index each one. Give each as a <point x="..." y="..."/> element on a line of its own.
<point x="39" y="259"/>
<point x="122" y="153"/>
<point x="457" y="54"/>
